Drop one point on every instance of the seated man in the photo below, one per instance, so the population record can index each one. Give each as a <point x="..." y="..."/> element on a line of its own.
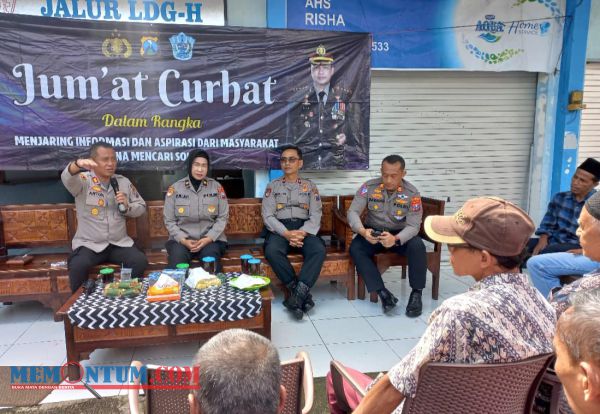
<point x="502" y="318"/>
<point x="291" y="211"/>
<point x="239" y="371"/>
<point x="577" y="346"/>
<point x="557" y="230"/>
<point x="546" y="270"/>
<point x="393" y="221"/>
<point x="103" y="201"/>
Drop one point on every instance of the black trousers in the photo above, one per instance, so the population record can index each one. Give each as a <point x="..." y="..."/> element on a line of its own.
<point x="83" y="259"/>
<point x="313" y="250"/>
<point x="362" y="253"/>
<point x="178" y="253"/>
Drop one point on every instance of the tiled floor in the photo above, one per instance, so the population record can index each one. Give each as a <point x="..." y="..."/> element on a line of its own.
<point x="354" y="332"/>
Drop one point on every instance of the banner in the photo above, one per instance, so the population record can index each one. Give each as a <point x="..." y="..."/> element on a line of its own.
<point x="207" y="12"/>
<point x="483" y="35"/>
<point x="156" y="92"/>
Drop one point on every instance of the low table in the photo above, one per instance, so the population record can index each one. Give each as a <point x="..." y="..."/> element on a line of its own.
<point x="81" y="342"/>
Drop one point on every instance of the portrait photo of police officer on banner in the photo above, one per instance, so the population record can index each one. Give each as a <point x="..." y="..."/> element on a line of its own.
<point x="325" y="120"/>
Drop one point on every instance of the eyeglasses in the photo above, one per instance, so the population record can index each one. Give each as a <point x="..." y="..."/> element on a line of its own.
<point x="285" y="160"/>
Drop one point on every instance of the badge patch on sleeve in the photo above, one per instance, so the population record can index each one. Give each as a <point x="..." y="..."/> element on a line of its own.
<point x="212" y="209"/>
<point x="415" y="204"/>
<point x="221" y="192"/>
<point x="268" y="192"/>
<point x="363" y="190"/>
<point x="170" y="191"/>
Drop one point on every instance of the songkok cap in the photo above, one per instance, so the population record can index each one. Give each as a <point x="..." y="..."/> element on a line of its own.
<point x="486" y="223"/>
<point x="320" y="56"/>
<point x="592" y="166"/>
<point x="592" y="205"/>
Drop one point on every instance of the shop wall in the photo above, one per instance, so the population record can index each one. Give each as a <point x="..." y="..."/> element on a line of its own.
<point x="593" y="43"/>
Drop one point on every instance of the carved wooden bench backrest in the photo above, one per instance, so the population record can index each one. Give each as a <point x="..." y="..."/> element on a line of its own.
<point x="245" y="219"/>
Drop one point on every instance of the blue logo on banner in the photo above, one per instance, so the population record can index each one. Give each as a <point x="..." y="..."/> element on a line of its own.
<point x="489" y="26"/>
<point x="183" y="46"/>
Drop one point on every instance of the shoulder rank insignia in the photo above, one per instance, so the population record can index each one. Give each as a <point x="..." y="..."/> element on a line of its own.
<point x="183" y="46"/>
<point x="187" y="184"/>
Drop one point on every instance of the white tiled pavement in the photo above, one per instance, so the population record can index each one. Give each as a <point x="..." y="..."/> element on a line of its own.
<point x="354" y="332"/>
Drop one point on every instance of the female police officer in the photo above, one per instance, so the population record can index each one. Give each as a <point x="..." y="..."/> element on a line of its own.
<point x="195" y="214"/>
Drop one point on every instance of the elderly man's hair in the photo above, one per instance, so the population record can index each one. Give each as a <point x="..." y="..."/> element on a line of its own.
<point x="393" y="159"/>
<point x="99" y="144"/>
<point x="579" y="327"/>
<point x="240" y="371"/>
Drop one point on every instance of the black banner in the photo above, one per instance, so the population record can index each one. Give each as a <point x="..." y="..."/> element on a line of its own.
<point x="156" y="91"/>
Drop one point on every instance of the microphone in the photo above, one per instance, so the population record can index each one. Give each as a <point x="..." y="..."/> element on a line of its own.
<point x="115" y="185"/>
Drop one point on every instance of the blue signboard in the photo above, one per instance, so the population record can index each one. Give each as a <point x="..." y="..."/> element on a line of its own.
<point x="494" y="35"/>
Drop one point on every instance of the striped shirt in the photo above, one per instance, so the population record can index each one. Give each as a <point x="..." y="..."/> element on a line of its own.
<point x="560" y="221"/>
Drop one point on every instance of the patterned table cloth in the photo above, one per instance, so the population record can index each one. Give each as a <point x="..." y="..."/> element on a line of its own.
<point x="224" y="303"/>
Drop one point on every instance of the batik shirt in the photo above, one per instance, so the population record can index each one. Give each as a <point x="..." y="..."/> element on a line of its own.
<point x="561" y="301"/>
<point x="502" y="318"/>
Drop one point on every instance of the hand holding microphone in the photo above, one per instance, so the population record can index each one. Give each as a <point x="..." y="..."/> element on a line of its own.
<point x="120" y="197"/>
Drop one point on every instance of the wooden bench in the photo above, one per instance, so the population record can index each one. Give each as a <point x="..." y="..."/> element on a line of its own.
<point x="385" y="260"/>
<point x="41" y="227"/>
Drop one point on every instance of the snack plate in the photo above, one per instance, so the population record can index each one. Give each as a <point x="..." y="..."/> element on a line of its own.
<point x="266" y="280"/>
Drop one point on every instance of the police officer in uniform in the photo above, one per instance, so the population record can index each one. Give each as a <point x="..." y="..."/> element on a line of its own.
<point x="319" y="123"/>
<point x="291" y="211"/>
<point x="394" y="214"/>
<point x="195" y="213"/>
<point x="101" y="228"/>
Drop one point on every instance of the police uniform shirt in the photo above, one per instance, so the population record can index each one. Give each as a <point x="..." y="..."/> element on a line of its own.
<point x="99" y="222"/>
<point x="292" y="200"/>
<point x="399" y="211"/>
<point x="196" y="214"/>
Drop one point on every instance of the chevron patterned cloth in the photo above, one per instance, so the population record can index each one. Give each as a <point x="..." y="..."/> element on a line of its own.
<point x="224" y="303"/>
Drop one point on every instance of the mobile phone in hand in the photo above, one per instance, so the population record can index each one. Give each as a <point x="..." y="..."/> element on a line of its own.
<point x="375" y="233"/>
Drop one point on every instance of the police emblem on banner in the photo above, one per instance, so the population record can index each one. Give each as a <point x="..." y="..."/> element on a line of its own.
<point x="115" y="46"/>
<point x="183" y="46"/>
<point x="149" y="46"/>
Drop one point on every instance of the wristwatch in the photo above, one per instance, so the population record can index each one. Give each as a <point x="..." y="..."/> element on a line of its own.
<point x="77" y="165"/>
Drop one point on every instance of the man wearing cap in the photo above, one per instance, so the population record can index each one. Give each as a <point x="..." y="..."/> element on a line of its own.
<point x="394" y="214"/>
<point x="319" y="123"/>
<point x="557" y="230"/>
<point x="502" y="318"/>
<point x="102" y="211"/>
<point x="291" y="211"/>
<point x="546" y="270"/>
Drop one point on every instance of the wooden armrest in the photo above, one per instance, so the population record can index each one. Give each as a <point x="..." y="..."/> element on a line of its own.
<point x="338" y="375"/>
<point x="62" y="312"/>
<point x="307" y="382"/>
<point x="338" y="215"/>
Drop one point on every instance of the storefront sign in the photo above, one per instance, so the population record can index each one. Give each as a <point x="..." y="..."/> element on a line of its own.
<point x="494" y="35"/>
<point x="156" y="92"/>
<point x="206" y="12"/>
